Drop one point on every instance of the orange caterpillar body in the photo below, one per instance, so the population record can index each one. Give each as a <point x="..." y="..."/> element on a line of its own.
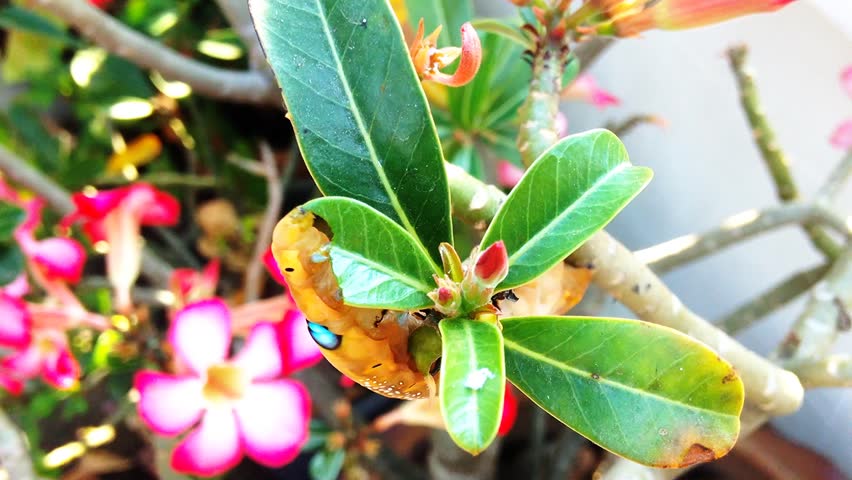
<point x="370" y="346"/>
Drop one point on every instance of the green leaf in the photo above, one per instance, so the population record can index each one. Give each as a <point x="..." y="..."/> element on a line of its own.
<point x="326" y="465"/>
<point x="646" y="392"/>
<point x="377" y="263"/>
<point x="11" y="263"/>
<point x="360" y="115"/>
<point x="17" y="18"/>
<point x="573" y="190"/>
<point x="449" y="13"/>
<point x="473" y="381"/>
<point x="11" y="217"/>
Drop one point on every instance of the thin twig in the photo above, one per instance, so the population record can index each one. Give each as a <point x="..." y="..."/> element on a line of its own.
<point x="771" y="300"/>
<point x="836" y="181"/>
<point x="247" y="86"/>
<point x="627" y="125"/>
<point x="673" y="253"/>
<point x="238" y="15"/>
<point x="20" y="172"/>
<point x="832" y="371"/>
<point x="775" y="158"/>
<point x="254" y="277"/>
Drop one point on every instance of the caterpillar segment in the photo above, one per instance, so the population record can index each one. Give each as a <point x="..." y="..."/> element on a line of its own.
<point x="370" y="346"/>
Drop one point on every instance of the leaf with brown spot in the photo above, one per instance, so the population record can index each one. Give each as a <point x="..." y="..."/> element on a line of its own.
<point x="645" y="392"/>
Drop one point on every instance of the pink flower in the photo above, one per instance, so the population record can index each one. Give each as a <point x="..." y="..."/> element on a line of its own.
<point x="47" y="355"/>
<point x="117" y="216"/>
<point x="586" y="89"/>
<point x="508" y="174"/>
<point x="37" y="349"/>
<point x="15" y="322"/>
<point x="190" y="285"/>
<point x="59" y="258"/>
<point x="241" y="405"/>
<point x="842" y="136"/>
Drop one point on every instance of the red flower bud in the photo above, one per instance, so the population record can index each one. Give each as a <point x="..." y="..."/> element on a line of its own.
<point x="492" y="266"/>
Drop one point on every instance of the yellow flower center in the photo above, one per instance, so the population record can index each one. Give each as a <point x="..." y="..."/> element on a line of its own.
<point x="225" y="383"/>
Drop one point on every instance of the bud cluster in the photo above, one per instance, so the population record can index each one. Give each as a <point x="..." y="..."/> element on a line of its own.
<point x="466" y="288"/>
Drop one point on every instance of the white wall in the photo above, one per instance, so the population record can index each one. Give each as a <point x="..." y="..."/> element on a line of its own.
<point x="707" y="167"/>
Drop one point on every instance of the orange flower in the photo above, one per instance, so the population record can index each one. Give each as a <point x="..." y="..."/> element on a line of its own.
<point x="629" y="17"/>
<point x="429" y="60"/>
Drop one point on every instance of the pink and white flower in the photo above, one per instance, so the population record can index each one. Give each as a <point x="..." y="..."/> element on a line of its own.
<point x="585" y="88"/>
<point x="240" y="405"/>
<point x="116" y="217"/>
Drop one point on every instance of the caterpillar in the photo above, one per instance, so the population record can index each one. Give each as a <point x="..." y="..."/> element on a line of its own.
<point x="370" y="346"/>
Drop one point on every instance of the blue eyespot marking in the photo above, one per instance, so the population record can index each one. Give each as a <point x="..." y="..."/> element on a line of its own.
<point x="324" y="337"/>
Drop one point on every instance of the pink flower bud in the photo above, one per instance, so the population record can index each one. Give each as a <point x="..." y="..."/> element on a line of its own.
<point x="447" y="296"/>
<point x="492" y="266"/>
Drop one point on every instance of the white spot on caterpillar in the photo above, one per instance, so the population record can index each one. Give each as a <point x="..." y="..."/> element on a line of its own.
<point x="476" y="380"/>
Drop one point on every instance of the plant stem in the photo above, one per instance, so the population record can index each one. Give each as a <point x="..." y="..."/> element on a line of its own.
<point x="538" y="113"/>
<point x="775" y="158"/>
<point x="771" y="300"/>
<point x="815" y="330"/>
<point x="247" y="86"/>
<point x="832" y="371"/>
<point x="668" y="255"/>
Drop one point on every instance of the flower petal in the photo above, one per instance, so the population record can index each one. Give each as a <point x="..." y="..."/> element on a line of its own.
<point x="155" y="207"/>
<point x="11" y="384"/>
<point x="169" y="404"/>
<point x="510" y="412"/>
<point x="846" y="79"/>
<point x="60" y="369"/>
<point x="19" y="287"/>
<point x="201" y="334"/>
<point x="212" y="448"/>
<point x="508" y="174"/>
<point x="298" y="349"/>
<point x="96" y="205"/>
<point x="272" y="267"/>
<point x="61" y="258"/>
<point x="26" y="363"/>
<point x="273" y="418"/>
<point x="260" y="358"/>
<point x="842" y="136"/>
<point x="14" y="322"/>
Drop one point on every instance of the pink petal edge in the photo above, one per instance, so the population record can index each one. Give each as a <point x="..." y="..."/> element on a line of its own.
<point x="260" y="357"/>
<point x="273" y="419"/>
<point x="201" y="334"/>
<point x="212" y="448"/>
<point x="168" y="404"/>
<point x="298" y="349"/>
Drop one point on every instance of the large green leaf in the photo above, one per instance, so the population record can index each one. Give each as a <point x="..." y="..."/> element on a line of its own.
<point x="473" y="381"/>
<point x="377" y="263"/>
<point x="451" y="14"/>
<point x="568" y="194"/>
<point x="645" y="392"/>
<point x="360" y="115"/>
<point x="11" y="217"/>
